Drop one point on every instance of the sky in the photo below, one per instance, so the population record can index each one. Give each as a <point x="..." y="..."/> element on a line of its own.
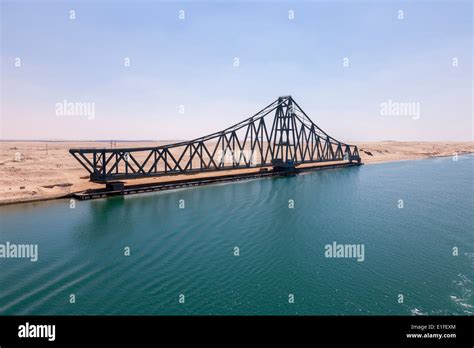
<point x="146" y="73"/>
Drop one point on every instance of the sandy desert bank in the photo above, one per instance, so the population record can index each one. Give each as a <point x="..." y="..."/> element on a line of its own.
<point x="46" y="170"/>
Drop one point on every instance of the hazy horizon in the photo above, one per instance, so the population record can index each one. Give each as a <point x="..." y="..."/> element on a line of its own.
<point x="179" y="140"/>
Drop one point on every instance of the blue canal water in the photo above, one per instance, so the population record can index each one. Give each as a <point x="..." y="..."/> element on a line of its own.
<point x="190" y="251"/>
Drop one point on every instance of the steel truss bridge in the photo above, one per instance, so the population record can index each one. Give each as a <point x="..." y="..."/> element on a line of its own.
<point x="280" y="135"/>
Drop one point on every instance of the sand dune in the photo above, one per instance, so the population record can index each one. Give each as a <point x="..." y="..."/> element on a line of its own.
<point x="45" y="170"/>
<point x="389" y="151"/>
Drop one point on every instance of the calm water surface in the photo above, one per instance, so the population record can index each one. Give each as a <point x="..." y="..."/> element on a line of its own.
<point x="190" y="251"/>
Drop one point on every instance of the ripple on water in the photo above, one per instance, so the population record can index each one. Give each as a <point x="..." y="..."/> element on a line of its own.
<point x="462" y="298"/>
<point x="191" y="250"/>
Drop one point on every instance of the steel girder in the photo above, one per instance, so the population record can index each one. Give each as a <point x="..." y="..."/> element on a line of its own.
<point x="259" y="141"/>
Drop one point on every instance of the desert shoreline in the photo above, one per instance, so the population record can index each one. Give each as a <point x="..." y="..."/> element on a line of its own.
<point x="35" y="171"/>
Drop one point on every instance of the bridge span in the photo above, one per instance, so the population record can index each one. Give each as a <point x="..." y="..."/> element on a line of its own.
<point x="280" y="137"/>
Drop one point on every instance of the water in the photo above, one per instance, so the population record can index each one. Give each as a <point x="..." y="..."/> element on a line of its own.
<point x="190" y="251"/>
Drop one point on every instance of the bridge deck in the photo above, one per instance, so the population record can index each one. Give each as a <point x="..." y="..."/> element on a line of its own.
<point x="199" y="179"/>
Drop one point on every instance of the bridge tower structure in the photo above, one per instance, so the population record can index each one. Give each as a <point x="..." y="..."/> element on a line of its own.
<point x="281" y="136"/>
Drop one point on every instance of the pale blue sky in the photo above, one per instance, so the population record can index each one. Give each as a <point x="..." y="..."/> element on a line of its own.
<point x="190" y="62"/>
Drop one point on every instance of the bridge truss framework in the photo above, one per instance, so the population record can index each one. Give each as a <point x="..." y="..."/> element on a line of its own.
<point x="288" y="139"/>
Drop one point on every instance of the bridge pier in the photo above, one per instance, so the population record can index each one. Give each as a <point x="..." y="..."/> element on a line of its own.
<point x="114" y="185"/>
<point x="281" y="166"/>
